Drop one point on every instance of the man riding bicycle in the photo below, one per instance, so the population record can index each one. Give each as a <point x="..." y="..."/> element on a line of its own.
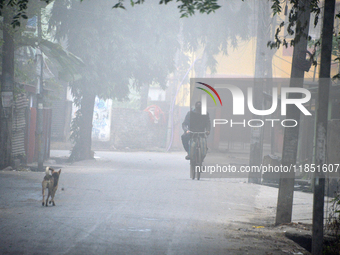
<point x="196" y="122"/>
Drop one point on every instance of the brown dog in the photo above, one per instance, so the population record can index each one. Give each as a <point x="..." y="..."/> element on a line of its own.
<point x="50" y="182"/>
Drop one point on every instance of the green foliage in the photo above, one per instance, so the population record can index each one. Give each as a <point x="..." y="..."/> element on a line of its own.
<point x="25" y="71"/>
<point x="293" y="26"/>
<point x="335" y="50"/>
<point x="186" y="7"/>
<point x="292" y="29"/>
<point x="151" y="31"/>
<point x="97" y="41"/>
<point x="317" y="49"/>
<point x="75" y="135"/>
<point x="138" y="43"/>
<point x="26" y="42"/>
<point x="276" y="7"/>
<point x="333" y="226"/>
<point x="20" y="7"/>
<point x="68" y="64"/>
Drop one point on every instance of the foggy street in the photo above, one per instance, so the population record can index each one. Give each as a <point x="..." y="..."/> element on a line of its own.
<point x="126" y="98"/>
<point x="141" y="203"/>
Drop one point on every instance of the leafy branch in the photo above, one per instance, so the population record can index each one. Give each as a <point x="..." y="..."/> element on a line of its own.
<point x="293" y="27"/>
<point x="186" y="7"/>
<point x="20" y="7"/>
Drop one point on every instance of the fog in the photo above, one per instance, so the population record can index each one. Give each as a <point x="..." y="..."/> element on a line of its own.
<point x="145" y="55"/>
<point x="162" y="123"/>
<point x="124" y="79"/>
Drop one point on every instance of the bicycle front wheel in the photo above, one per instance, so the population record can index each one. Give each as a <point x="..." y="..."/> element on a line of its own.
<point x="199" y="163"/>
<point x="192" y="169"/>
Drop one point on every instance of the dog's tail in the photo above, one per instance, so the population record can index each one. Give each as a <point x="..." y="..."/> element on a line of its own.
<point x="47" y="170"/>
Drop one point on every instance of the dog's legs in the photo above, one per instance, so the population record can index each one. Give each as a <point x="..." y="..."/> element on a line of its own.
<point x="48" y="195"/>
<point x="43" y="192"/>
<point x="53" y="194"/>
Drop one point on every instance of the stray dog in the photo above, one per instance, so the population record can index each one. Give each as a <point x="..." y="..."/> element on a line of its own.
<point x="50" y="182"/>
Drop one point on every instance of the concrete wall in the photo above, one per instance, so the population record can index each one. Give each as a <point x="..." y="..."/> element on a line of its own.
<point x="134" y="129"/>
<point x="333" y="147"/>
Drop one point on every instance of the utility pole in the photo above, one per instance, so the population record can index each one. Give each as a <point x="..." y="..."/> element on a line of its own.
<point x="256" y="141"/>
<point x="7" y="84"/>
<point x="321" y="126"/>
<point x="291" y="134"/>
<point x="40" y="103"/>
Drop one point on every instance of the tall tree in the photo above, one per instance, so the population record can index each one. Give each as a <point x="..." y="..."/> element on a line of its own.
<point x="263" y="69"/>
<point x="322" y="113"/>
<point x="153" y="31"/>
<point x="15" y="38"/>
<point x="291" y="134"/>
<point x="92" y="32"/>
<point x="115" y="47"/>
<point x="321" y="127"/>
<point x="7" y="87"/>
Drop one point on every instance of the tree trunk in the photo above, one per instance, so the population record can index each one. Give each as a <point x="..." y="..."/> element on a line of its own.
<point x="6" y="89"/>
<point x="263" y="60"/>
<point x="321" y="126"/>
<point x="82" y="147"/>
<point x="40" y="103"/>
<point x="291" y="134"/>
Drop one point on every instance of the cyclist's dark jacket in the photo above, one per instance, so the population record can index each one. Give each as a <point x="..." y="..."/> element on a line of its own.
<point x="196" y="122"/>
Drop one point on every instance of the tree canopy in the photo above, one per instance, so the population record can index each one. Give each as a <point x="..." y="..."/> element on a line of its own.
<point x="137" y="44"/>
<point x="186" y="8"/>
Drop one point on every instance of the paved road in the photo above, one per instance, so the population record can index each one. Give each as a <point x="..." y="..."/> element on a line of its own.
<point x="137" y="203"/>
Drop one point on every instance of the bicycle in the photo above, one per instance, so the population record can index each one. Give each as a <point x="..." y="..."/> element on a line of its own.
<point x="196" y="157"/>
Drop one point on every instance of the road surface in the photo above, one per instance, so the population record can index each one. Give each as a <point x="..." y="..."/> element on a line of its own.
<point x="140" y="203"/>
